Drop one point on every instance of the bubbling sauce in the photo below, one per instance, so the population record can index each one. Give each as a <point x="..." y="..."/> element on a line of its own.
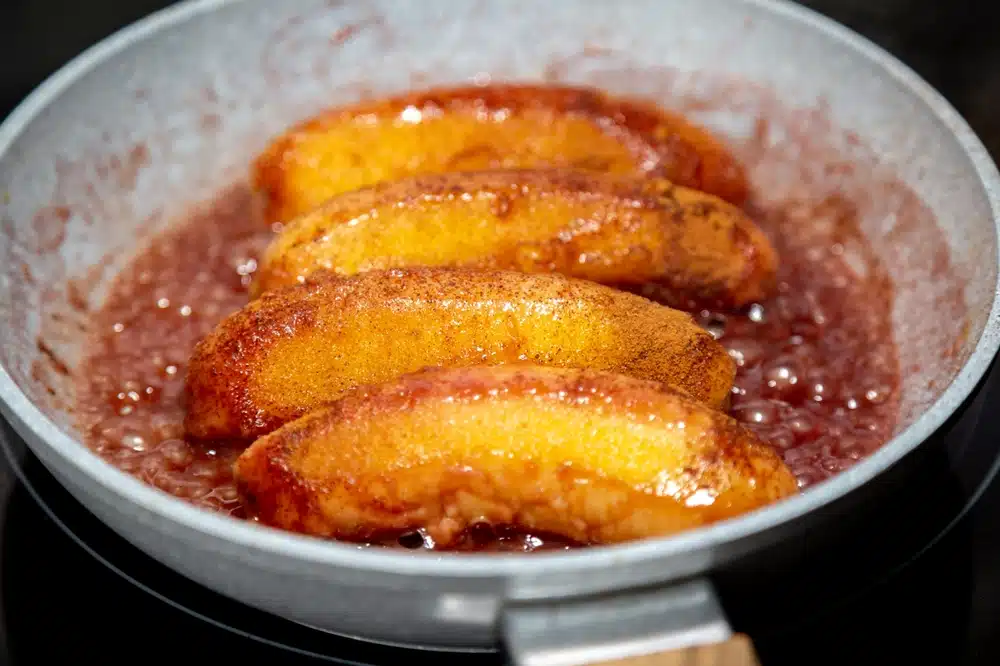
<point x="817" y="369"/>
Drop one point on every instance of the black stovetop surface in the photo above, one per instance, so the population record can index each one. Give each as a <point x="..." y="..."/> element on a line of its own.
<point x="71" y="591"/>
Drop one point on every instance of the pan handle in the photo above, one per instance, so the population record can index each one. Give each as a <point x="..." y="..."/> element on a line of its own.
<point x="737" y="651"/>
<point x="681" y="624"/>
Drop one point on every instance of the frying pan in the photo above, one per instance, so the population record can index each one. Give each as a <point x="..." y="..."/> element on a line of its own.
<point x="170" y="110"/>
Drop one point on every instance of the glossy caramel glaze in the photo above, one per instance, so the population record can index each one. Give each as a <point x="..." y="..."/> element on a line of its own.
<point x="296" y="348"/>
<point x="492" y="127"/>
<point x="603" y="227"/>
<point x="589" y="456"/>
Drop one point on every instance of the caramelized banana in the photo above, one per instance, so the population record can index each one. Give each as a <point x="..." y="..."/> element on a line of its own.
<point x="493" y="127"/>
<point x="296" y="348"/>
<point x="591" y="456"/>
<point x="601" y="227"/>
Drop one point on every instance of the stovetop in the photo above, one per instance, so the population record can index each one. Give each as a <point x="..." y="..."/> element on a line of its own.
<point x="72" y="591"/>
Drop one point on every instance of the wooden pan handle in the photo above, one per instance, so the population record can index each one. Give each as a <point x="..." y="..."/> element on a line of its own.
<point x="737" y="651"/>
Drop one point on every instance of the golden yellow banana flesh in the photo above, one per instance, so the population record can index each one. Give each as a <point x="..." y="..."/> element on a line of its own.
<point x="618" y="230"/>
<point x="493" y="127"/>
<point x="297" y="348"/>
<point x="591" y="456"/>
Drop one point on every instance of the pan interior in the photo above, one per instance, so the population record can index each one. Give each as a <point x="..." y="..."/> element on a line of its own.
<point x="134" y="143"/>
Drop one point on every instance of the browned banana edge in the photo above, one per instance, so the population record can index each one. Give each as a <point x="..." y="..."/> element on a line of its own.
<point x="511" y="185"/>
<point x="694" y="157"/>
<point x="582" y="389"/>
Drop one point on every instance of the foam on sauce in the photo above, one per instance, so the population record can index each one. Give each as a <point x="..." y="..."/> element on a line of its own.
<point x="818" y="372"/>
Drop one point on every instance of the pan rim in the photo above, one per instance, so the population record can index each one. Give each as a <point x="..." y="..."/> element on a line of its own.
<point x="33" y="425"/>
